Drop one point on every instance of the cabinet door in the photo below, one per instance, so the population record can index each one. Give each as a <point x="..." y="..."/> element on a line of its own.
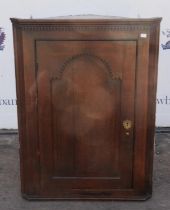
<point x="86" y="92"/>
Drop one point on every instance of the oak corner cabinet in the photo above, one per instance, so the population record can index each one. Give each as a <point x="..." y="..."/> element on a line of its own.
<point x="86" y="91"/>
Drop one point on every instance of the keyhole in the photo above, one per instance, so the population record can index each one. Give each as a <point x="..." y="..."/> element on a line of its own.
<point x="127" y="124"/>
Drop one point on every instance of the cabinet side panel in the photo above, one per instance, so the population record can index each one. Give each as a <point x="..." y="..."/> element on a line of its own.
<point x="26" y="101"/>
<point x="31" y="132"/>
<point x="17" y="34"/>
<point x="141" y="114"/>
<point x="152" y="87"/>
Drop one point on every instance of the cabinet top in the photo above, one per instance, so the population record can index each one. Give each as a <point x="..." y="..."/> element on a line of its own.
<point x="85" y="19"/>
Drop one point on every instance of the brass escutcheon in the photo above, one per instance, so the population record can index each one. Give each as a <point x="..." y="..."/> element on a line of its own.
<point x="127" y="124"/>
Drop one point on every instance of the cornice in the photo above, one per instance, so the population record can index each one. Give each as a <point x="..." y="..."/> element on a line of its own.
<point x="110" y="27"/>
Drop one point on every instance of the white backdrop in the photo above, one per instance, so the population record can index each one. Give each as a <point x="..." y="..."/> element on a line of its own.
<point x="52" y="8"/>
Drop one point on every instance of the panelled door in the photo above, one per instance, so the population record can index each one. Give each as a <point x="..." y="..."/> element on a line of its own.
<point x="86" y="105"/>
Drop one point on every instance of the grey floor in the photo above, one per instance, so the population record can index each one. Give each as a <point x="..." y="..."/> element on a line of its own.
<point x="10" y="198"/>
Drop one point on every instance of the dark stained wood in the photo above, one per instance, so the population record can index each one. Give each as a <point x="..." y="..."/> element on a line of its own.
<point x="78" y="81"/>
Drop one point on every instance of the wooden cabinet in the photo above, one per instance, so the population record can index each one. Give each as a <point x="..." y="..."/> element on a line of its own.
<point x="86" y="91"/>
